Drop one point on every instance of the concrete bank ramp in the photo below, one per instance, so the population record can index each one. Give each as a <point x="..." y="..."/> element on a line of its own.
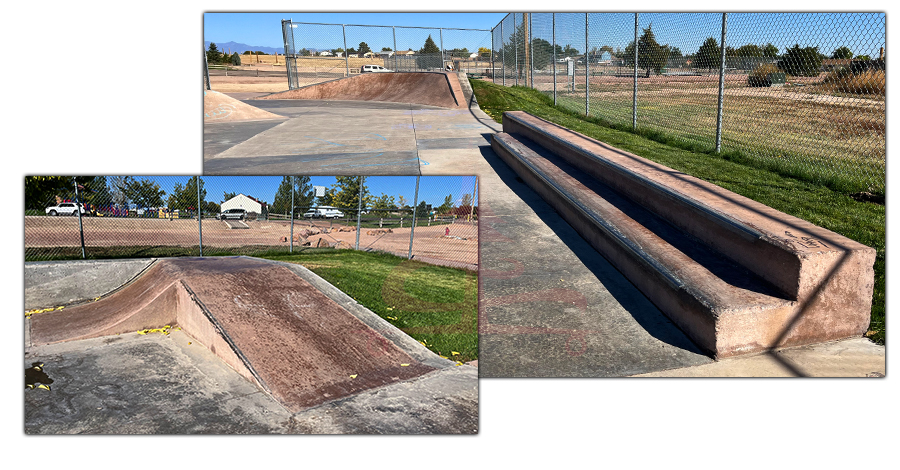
<point x="218" y="107"/>
<point x="268" y="323"/>
<point x="426" y="88"/>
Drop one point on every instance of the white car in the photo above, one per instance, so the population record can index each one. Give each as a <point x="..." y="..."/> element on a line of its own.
<point x="314" y="213"/>
<point x="374" y="68"/>
<point x="65" y="208"/>
<point x="333" y="214"/>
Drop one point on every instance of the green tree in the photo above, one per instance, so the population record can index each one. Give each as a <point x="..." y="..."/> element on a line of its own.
<point x="386" y="49"/>
<point x="185" y="197"/>
<point x="769" y="50"/>
<point x="541" y="53"/>
<point x="401" y="202"/>
<point x="423" y="210"/>
<point x="213" y="55"/>
<point x="383" y="204"/>
<point x="651" y="55"/>
<point x="351" y="51"/>
<point x="303" y="194"/>
<point x="709" y="55"/>
<point x="446" y="206"/>
<point x="749" y="50"/>
<point x="484" y="52"/>
<point x="430" y="47"/>
<point x="364" y="48"/>
<point x="842" y="52"/>
<point x="40" y="191"/>
<point x="429" y="56"/>
<point x="801" y="61"/>
<point x="344" y="194"/>
<point x="235" y="59"/>
<point x="145" y="193"/>
<point x="226" y="195"/>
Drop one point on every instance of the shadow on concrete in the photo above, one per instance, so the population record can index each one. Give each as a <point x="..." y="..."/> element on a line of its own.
<point x="652" y="320"/>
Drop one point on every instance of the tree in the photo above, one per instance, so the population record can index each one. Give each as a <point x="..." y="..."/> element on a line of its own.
<point x="401" y="202"/>
<point x="344" y="194"/>
<point x="40" y="190"/>
<point x="749" y="50"/>
<point x="185" y="197"/>
<point x="429" y="56"/>
<point x="303" y="194"/>
<point x="801" y="61"/>
<point x="484" y="52"/>
<point x="386" y="49"/>
<point x="383" y="204"/>
<point x="213" y="56"/>
<point x="304" y="52"/>
<point x="235" y="59"/>
<point x="446" y="206"/>
<point x="145" y="193"/>
<point x="709" y="55"/>
<point x="842" y="52"/>
<point x="569" y="51"/>
<point x="466" y="200"/>
<point x="651" y="55"/>
<point x="351" y="51"/>
<point x="769" y="50"/>
<point x="457" y="52"/>
<point x="227" y="196"/>
<point x="363" y="48"/>
<point x="541" y="53"/>
<point x="423" y="210"/>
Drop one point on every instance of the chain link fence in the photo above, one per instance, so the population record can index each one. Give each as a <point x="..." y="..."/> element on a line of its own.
<point x="804" y="92"/>
<point x="431" y="218"/>
<point x="319" y="52"/>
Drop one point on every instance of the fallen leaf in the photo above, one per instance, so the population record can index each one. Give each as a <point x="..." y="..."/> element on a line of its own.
<point x="404" y="365"/>
<point x="45" y="387"/>
<point x="353" y="376"/>
<point x="454" y="353"/>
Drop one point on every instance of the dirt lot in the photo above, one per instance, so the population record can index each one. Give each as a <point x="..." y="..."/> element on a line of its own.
<point x="429" y="242"/>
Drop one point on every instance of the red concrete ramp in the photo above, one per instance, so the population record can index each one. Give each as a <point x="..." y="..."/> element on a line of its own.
<point x="428" y="88"/>
<point x="264" y="320"/>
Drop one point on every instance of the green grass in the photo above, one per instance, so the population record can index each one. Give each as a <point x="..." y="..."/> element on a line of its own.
<point x="436" y="305"/>
<point x="816" y="202"/>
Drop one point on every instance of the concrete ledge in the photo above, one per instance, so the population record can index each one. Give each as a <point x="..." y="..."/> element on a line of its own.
<point x="685" y="244"/>
<point x="55" y="283"/>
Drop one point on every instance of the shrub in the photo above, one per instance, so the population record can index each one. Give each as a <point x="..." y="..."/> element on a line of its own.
<point x="760" y="75"/>
<point x="863" y="83"/>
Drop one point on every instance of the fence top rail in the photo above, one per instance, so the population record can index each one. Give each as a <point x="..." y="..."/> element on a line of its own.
<point x="384" y="26"/>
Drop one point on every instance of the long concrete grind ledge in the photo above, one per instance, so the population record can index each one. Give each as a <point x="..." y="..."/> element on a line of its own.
<point x="735" y="275"/>
<point x="262" y="319"/>
<point x="427" y="88"/>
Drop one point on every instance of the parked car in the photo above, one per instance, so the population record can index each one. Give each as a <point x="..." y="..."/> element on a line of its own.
<point x="65" y="208"/>
<point x="238" y="214"/>
<point x="333" y="214"/>
<point x="314" y="214"/>
<point x="373" y="68"/>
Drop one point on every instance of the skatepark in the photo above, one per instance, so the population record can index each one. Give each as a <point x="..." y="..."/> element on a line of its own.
<point x="416" y="123"/>
<point x="207" y="345"/>
<point x="551" y="305"/>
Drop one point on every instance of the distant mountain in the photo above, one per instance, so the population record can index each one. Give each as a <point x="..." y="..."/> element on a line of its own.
<point x="238" y="47"/>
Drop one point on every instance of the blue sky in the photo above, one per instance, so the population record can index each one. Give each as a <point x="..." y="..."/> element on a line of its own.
<point x="432" y="189"/>
<point x="863" y="33"/>
<point x="264" y="29"/>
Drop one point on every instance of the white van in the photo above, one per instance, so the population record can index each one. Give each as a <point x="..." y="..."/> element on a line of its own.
<point x="373" y="68"/>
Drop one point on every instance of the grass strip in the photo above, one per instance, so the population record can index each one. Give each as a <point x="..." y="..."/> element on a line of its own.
<point x="815" y="202"/>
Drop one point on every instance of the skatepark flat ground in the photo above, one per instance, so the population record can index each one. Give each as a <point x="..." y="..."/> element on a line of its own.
<point x="346" y="138"/>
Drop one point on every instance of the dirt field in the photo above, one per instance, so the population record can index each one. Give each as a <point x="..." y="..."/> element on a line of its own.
<point x="429" y="242"/>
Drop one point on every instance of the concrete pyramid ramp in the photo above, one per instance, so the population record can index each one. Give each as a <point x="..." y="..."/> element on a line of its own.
<point x="219" y="107"/>
<point x="427" y="88"/>
<point x="269" y="324"/>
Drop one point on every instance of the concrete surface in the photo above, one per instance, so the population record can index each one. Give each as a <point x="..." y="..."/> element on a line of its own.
<point x="155" y="384"/>
<point x="347" y="138"/>
<point x="55" y="283"/>
<point x="857" y="357"/>
<point x="828" y="277"/>
<point x="421" y="88"/>
<point x="304" y="346"/>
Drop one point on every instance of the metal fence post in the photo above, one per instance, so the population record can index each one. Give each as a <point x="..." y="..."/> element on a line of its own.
<point x="721" y="86"/>
<point x="78" y="210"/>
<point x="441" y="33"/>
<point x="346" y="54"/>
<point x="493" y="68"/>
<point x="587" y="70"/>
<point x="634" y="93"/>
<point x="394" y="55"/>
<point x="502" y="61"/>
<point x="516" y="47"/>
<point x="362" y="179"/>
<point x="206" y="70"/>
<point x="412" y="229"/>
<point x="200" y="215"/>
<point x="554" y="58"/>
<point x="291" y="240"/>
<point x="530" y="48"/>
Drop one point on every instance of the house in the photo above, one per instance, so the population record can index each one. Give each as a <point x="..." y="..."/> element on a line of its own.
<point x="369" y="54"/>
<point x="409" y="52"/>
<point x="385" y="54"/>
<point x="353" y="56"/>
<point x="325" y="54"/>
<point x="248" y="203"/>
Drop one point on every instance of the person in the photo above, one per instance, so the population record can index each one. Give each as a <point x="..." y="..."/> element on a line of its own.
<point x="447" y="232"/>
